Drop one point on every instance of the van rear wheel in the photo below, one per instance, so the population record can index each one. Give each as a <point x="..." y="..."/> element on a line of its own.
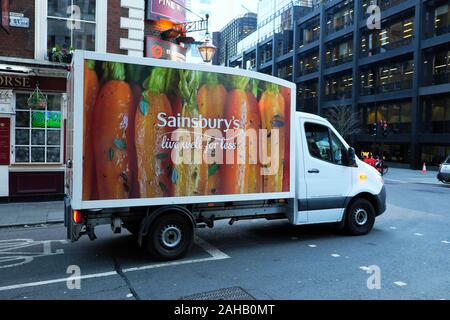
<point x="360" y="217"/>
<point x="171" y="237"/>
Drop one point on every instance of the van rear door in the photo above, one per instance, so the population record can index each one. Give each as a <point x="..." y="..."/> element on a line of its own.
<point x="328" y="180"/>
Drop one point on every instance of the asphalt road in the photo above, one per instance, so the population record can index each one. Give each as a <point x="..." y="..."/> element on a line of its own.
<point x="410" y="245"/>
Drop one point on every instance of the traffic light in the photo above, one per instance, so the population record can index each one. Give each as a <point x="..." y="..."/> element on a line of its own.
<point x="385" y="129"/>
<point x="375" y="129"/>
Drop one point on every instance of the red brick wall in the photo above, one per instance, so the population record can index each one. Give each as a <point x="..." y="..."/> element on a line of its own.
<point x="19" y="42"/>
<point x="114" y="31"/>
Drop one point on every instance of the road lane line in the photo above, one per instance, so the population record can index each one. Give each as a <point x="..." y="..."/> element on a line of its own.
<point x="335" y="255"/>
<point x="215" y="254"/>
<point x="213" y="251"/>
<point x="418" y="234"/>
<point x="43" y="283"/>
<point x="312" y="245"/>
<point x="400" y="283"/>
<point x="446" y="242"/>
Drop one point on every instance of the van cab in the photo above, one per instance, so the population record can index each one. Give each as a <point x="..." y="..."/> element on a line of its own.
<point x="333" y="185"/>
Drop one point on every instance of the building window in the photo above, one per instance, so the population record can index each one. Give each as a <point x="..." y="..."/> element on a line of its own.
<point x="396" y="114"/>
<point x="309" y="32"/>
<point x="390" y="37"/>
<point x="437" y="66"/>
<point x="435" y="154"/>
<point x="338" y="87"/>
<point x="308" y="63"/>
<point x="387" y="78"/>
<point x="436" y="114"/>
<point x="339" y="53"/>
<point x="38" y="132"/>
<point x="340" y="17"/>
<point x="437" y="19"/>
<point x="71" y="23"/>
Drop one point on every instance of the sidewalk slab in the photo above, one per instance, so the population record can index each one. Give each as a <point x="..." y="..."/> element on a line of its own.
<point x="30" y="213"/>
<point x="411" y="176"/>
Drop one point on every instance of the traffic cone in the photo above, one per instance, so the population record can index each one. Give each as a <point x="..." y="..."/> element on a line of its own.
<point x="424" y="168"/>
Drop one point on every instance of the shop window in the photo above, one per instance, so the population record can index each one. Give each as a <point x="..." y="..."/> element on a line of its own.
<point x="38" y="132"/>
<point x="71" y="23"/>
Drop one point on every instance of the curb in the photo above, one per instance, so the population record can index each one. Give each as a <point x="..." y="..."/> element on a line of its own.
<point x="30" y="225"/>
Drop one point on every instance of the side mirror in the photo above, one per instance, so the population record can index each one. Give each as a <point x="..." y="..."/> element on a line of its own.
<point x="351" y="157"/>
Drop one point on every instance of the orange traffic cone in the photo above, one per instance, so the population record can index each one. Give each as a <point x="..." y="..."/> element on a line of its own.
<point x="424" y="168"/>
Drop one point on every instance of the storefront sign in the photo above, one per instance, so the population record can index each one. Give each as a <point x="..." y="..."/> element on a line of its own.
<point x="4" y="141"/>
<point x="18" y="21"/>
<point x="6" y="101"/>
<point x="168" y="9"/>
<point x="159" y="49"/>
<point x="29" y="83"/>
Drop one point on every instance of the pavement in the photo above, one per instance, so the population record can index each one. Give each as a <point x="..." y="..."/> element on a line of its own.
<point x="31" y="213"/>
<point x="406" y="256"/>
<point x="411" y="176"/>
<point x="21" y="214"/>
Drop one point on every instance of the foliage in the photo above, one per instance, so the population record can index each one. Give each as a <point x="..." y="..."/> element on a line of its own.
<point x="344" y="120"/>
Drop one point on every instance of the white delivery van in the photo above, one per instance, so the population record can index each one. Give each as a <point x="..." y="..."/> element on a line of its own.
<point x="162" y="148"/>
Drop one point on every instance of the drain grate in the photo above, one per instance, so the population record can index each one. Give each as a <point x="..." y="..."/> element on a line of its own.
<point x="234" y="293"/>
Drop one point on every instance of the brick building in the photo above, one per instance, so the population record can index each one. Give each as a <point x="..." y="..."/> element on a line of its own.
<point x="32" y="147"/>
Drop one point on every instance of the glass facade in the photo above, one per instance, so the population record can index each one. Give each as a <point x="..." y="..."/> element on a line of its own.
<point x="436" y="114"/>
<point x="309" y="32"/>
<point x="437" y="19"/>
<point x="396" y="114"/>
<point x="339" y="52"/>
<point x="307" y="97"/>
<point x="308" y="63"/>
<point x="284" y="70"/>
<point x="391" y="36"/>
<point x="436" y="66"/>
<point x="340" y="16"/>
<point x="412" y="99"/>
<point x="389" y="77"/>
<point x="338" y="87"/>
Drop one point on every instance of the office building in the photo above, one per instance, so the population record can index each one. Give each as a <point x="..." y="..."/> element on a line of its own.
<point x="399" y="74"/>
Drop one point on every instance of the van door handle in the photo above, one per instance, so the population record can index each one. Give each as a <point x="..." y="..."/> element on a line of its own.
<point x="314" y="171"/>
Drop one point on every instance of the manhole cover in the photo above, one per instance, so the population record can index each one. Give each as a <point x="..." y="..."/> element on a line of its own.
<point x="234" y="293"/>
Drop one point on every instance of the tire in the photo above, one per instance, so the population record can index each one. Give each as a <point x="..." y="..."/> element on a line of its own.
<point x="360" y="217"/>
<point x="170" y="237"/>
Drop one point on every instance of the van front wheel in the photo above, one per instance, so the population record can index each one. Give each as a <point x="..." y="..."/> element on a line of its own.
<point x="360" y="217"/>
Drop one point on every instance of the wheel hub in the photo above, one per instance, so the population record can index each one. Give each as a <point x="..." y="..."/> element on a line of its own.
<point x="360" y="216"/>
<point x="171" y="236"/>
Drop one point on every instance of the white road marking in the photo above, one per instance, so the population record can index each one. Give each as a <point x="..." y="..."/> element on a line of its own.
<point x="129" y="295"/>
<point x="393" y="228"/>
<point x="312" y="245"/>
<point x="215" y="254"/>
<point x="446" y="242"/>
<point x="335" y="255"/>
<point x="400" y="283"/>
<point x="418" y="234"/>
<point x="11" y="258"/>
<point x="364" y="268"/>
